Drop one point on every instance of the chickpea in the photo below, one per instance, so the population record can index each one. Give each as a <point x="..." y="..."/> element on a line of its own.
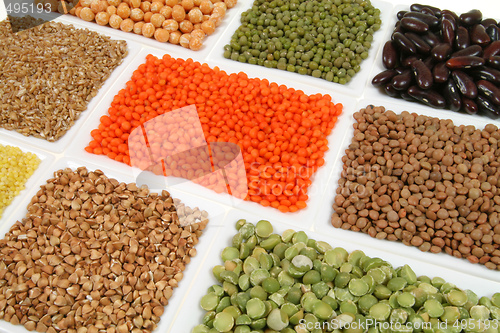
<point x="186" y="26"/>
<point x="123" y="11"/>
<point x="195" y="15"/>
<point x="162" y="35"/>
<point x="78" y="11"/>
<point x="147" y="17"/>
<point x="87" y="14"/>
<point x="230" y="3"/>
<point x="171" y="3"/>
<point x="85" y="3"/>
<point x="113" y="2"/>
<point x="138" y="27"/>
<point x="197" y="26"/>
<point x="206" y="7"/>
<point x="72" y="11"/>
<point x="136" y="14"/>
<point x="156" y="7"/>
<point x="195" y="43"/>
<point x="184" y="40"/>
<point x="111" y="10"/>
<point x="166" y="11"/>
<point x="206" y="18"/>
<point x="127" y="25"/>
<point x="115" y="21"/>
<point x="145" y="6"/>
<point x="174" y="37"/>
<point x="135" y="3"/>
<point x="198" y="33"/>
<point x="170" y="25"/>
<point x="148" y="30"/>
<point x="102" y="18"/>
<point x="157" y="20"/>
<point x="178" y="13"/>
<point x="187" y="4"/>
<point x="208" y="27"/>
<point x="197" y="3"/>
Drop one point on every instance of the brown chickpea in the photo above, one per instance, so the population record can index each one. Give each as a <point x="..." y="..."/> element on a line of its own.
<point x="184" y="40"/>
<point x="166" y="11"/>
<point x="206" y="7"/>
<point x="198" y="33"/>
<point x="187" y="4"/>
<point x="162" y="35"/>
<point x="195" y="43"/>
<point x="138" y="28"/>
<point x="115" y="3"/>
<point x="127" y="25"/>
<point x="157" y="20"/>
<point x="136" y="14"/>
<point x="102" y="18"/>
<point x="156" y="7"/>
<point x="87" y="14"/>
<point x="186" y="26"/>
<point x="147" y="17"/>
<point x="145" y="6"/>
<point x="115" y="21"/>
<point x="175" y="37"/>
<point x="178" y="13"/>
<point x="135" y="3"/>
<point x="208" y="27"/>
<point x="111" y="10"/>
<point x="170" y="25"/>
<point x="195" y="15"/>
<point x="123" y="10"/>
<point x="230" y="3"/>
<point x="148" y="30"/>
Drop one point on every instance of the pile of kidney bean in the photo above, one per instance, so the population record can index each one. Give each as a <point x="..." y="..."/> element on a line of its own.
<point x="444" y="60"/>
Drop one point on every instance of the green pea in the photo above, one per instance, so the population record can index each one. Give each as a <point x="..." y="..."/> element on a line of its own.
<point x="397" y="283"/>
<point x="258" y="292"/>
<point x="365" y="302"/>
<point x="200" y="329"/>
<point x="380" y="311"/>
<point x="336" y="257"/>
<point x="479" y="312"/>
<point x="255" y="308"/>
<point x="209" y="302"/>
<point x="451" y="314"/>
<point x="434" y="308"/>
<point x="358" y="287"/>
<point x="342" y="279"/>
<point x="406" y="300"/>
<point x="223" y="322"/>
<point x="320" y="289"/>
<point x="382" y="292"/>
<point x="244" y="319"/>
<point x="277" y="320"/>
<point x="224" y="303"/>
<point x="322" y="310"/>
<point x="270" y="285"/>
<point x="302" y="263"/>
<point x="328" y="273"/>
<point x="398" y="316"/>
<point x="456" y="297"/>
<point x="311" y="277"/>
<point x="348" y="307"/>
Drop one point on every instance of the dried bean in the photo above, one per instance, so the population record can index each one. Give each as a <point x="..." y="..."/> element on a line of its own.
<point x="413" y="24"/>
<point x="441" y="51"/>
<point x="462" y="39"/>
<point x="473" y="50"/>
<point x="494" y="62"/>
<point x="465" y="84"/>
<point x="431" y="39"/>
<point x="422" y="74"/>
<point x="428" y="97"/>
<point x="384" y="77"/>
<point x="421" y="44"/>
<point x="431" y="20"/>
<point x="489" y="90"/>
<point x="464" y="62"/>
<point x="389" y="55"/>
<point x="493" y="32"/>
<point x="419" y="8"/>
<point x="404" y="43"/>
<point x="478" y="35"/>
<point x="492" y="50"/>
<point x="472" y="17"/>
<point x="447" y="32"/>
<point x="440" y="72"/>
<point x="487" y="107"/>
<point x="402" y="81"/>
<point x="450" y="92"/>
<point x="485" y="73"/>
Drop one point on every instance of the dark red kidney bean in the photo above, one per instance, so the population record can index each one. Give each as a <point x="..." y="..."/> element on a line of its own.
<point x="449" y="13"/>
<point x="462" y="39"/>
<point x="402" y="81"/>
<point x="427" y="11"/>
<point x="404" y="95"/>
<point x="494" y="62"/>
<point x="464" y="62"/>
<point x="473" y="50"/>
<point x="487" y="22"/>
<point x="422" y="46"/>
<point x="487" y="107"/>
<point x="389" y="90"/>
<point x="401" y="14"/>
<point x="413" y="24"/>
<point x="389" y="55"/>
<point x="397" y="27"/>
<point x="452" y="96"/>
<point x="431" y="39"/>
<point x="492" y="50"/>
<point x="488" y="89"/>
<point x="429" y="62"/>
<point x="418" y="8"/>
<point x="447" y="32"/>
<point x="465" y="84"/>
<point x="441" y="51"/>
<point x="471" y="17"/>
<point x="422" y="74"/>
<point x="494" y="32"/>
<point x="404" y="43"/>
<point x="429" y="97"/>
<point x="450" y="18"/>
<point x="478" y="35"/>
<point x="440" y="72"/>
<point x="431" y="20"/>
<point x="486" y="73"/>
<point x="469" y="105"/>
<point x="384" y="77"/>
<point x="401" y="69"/>
<point x="407" y="60"/>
